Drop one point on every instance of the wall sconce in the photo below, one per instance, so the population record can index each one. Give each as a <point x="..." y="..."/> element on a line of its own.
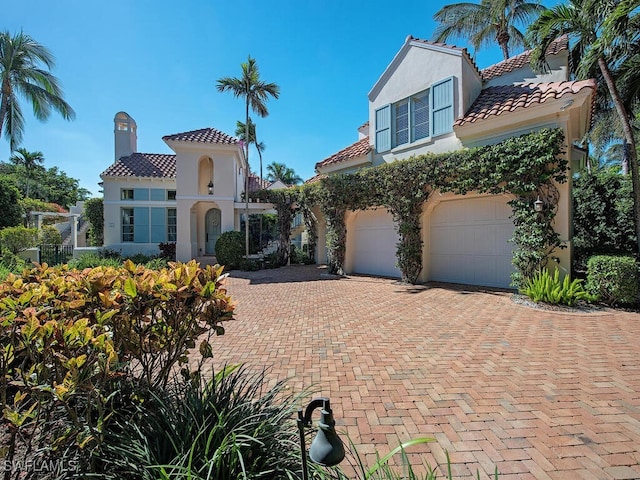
<point x="538" y="205"/>
<point x="210" y="187"/>
<point x="327" y="448"/>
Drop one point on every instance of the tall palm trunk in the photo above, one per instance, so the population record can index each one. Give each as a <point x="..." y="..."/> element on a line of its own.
<point x="503" y="40"/>
<point x="246" y="182"/>
<point x="630" y="153"/>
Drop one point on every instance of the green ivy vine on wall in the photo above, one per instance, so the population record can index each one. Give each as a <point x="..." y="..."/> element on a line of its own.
<point x="526" y="167"/>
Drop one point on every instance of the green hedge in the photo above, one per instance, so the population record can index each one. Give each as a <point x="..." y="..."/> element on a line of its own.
<point x="613" y="279"/>
<point x="230" y="248"/>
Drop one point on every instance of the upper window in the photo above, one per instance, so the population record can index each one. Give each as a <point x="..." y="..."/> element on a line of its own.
<point x="126" y="194"/>
<point x="171" y="194"/>
<point x="426" y="114"/>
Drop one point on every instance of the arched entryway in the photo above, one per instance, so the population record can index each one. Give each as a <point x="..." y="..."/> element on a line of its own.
<point x="212" y="230"/>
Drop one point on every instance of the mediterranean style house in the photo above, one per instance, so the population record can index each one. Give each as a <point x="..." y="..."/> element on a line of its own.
<point x="188" y="197"/>
<point x="431" y="98"/>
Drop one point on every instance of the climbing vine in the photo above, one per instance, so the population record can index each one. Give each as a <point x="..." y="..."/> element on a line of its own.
<point x="526" y="167"/>
<point x="284" y="202"/>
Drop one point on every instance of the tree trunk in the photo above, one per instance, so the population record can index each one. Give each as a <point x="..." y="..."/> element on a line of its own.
<point x="630" y="152"/>
<point x="246" y="182"/>
<point x="503" y="40"/>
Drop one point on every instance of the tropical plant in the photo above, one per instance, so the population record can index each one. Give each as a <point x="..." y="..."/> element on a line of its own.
<point x="613" y="279"/>
<point x="29" y="161"/>
<point x="255" y="92"/>
<point x="599" y="31"/>
<point x="71" y="340"/>
<point x="279" y="171"/>
<point x="25" y="72"/>
<point x="544" y="287"/>
<point x="487" y="22"/>
<point x="94" y="211"/>
<point x="241" y="133"/>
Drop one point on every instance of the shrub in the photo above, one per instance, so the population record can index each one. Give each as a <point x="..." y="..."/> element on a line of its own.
<point x="92" y="260"/>
<point x="230" y="249"/>
<point x="69" y="339"/>
<point x="603" y="215"/>
<point x="49" y="235"/>
<point x="94" y="212"/>
<point x="157" y="263"/>
<point x="250" y="264"/>
<point x="139" y="258"/>
<point x="543" y="287"/>
<point x="168" y="251"/>
<point x="613" y="279"/>
<point x="16" y="239"/>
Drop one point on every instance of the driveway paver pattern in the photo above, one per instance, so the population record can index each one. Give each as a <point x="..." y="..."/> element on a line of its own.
<point x="537" y="394"/>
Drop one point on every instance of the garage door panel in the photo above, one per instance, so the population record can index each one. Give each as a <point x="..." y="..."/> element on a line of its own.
<point x="375" y="242"/>
<point x="469" y="242"/>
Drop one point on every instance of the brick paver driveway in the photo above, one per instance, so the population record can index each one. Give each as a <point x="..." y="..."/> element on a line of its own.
<point x="537" y="394"/>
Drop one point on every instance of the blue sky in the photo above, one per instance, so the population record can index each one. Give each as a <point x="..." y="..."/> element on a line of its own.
<point x="159" y="60"/>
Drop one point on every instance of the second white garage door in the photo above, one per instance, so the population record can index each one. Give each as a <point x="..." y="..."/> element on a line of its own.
<point x="469" y="242"/>
<point x="375" y="244"/>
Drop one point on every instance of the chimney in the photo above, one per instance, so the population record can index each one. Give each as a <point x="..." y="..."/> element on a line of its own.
<point x="126" y="138"/>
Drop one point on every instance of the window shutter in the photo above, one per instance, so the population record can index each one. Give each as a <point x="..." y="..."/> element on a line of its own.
<point x="383" y="129"/>
<point x="158" y="225"/>
<point x="442" y="106"/>
<point x="141" y="224"/>
<point x="141" y="194"/>
<point x="157" y="194"/>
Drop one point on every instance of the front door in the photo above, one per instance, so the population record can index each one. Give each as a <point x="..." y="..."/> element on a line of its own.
<point x="212" y="229"/>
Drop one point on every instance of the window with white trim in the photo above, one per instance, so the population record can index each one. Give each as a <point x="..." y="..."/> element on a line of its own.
<point x="172" y="225"/>
<point x="127" y="224"/>
<point x="423" y="115"/>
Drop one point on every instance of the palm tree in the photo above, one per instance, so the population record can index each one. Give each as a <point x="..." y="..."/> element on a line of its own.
<point x="599" y="31"/>
<point x="482" y="24"/>
<point x="30" y="161"/>
<point x="23" y="74"/>
<point x="279" y="171"/>
<point x="241" y="132"/>
<point x="255" y="93"/>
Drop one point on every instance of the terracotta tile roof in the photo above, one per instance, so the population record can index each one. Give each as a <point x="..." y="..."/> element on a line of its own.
<point x="143" y="165"/>
<point x="316" y="178"/>
<point x="361" y="147"/>
<point x="204" y="135"/>
<point x="254" y="183"/>
<point x="494" y="101"/>
<point x="519" y="61"/>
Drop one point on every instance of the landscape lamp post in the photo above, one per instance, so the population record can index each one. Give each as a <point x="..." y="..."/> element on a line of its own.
<point x="326" y="448"/>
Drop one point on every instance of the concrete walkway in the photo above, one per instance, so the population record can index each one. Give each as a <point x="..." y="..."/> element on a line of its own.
<point x="540" y="395"/>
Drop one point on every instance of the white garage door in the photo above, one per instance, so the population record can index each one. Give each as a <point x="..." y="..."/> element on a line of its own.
<point x="469" y="242"/>
<point x="375" y="244"/>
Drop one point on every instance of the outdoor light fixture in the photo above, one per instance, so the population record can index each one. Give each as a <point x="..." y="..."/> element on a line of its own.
<point x="210" y="187"/>
<point x="327" y="448"/>
<point x="538" y="205"/>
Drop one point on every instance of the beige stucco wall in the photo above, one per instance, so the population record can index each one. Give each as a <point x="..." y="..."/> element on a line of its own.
<point x="414" y="70"/>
